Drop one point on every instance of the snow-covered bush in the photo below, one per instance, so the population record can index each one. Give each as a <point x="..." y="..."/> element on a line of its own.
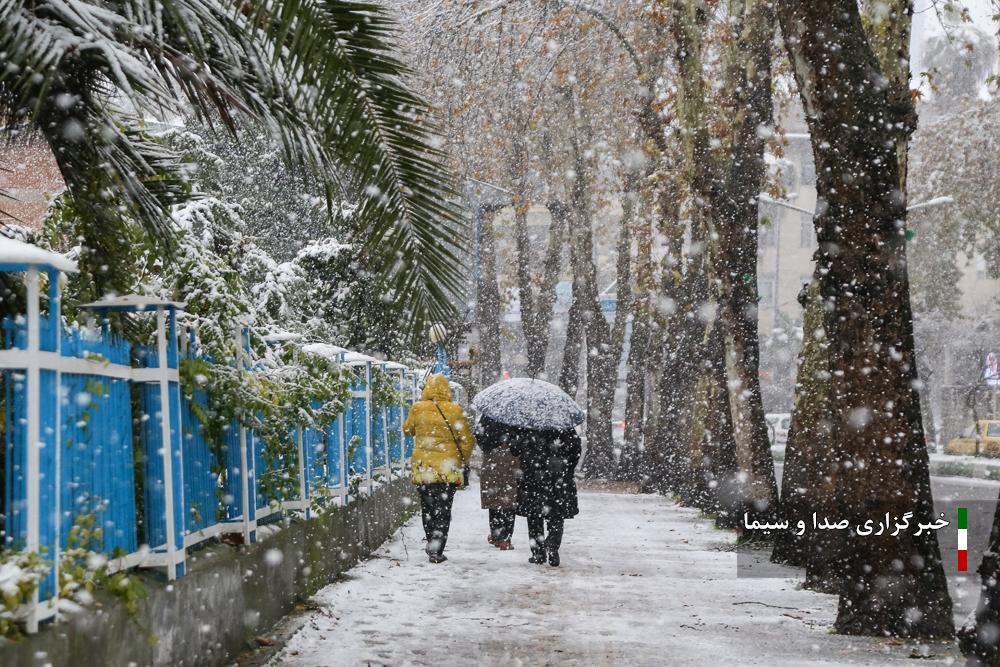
<point x="20" y="574"/>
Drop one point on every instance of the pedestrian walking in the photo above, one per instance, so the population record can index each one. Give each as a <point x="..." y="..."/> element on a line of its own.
<point x="548" y="447"/>
<point x="498" y="479"/>
<point x="547" y="488"/>
<point x="443" y="443"/>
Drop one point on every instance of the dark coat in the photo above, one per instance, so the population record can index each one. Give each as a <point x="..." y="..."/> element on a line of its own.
<point x="548" y="462"/>
<point x="498" y="477"/>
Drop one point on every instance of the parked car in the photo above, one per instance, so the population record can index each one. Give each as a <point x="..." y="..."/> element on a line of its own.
<point x="777" y="427"/>
<point x="989" y="440"/>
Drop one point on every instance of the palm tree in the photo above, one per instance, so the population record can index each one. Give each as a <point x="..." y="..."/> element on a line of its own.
<point x="320" y="75"/>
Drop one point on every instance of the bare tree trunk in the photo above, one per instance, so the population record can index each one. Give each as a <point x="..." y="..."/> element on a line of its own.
<point x="544" y="308"/>
<point x="599" y="459"/>
<point x="639" y="344"/>
<point x="569" y="375"/>
<point x="606" y="354"/>
<point x="526" y="288"/>
<point x="671" y="349"/>
<point x="735" y="253"/>
<point x="537" y="305"/>
<point x="688" y="19"/>
<point x="725" y="490"/>
<point x="892" y="585"/>
<point x="488" y="304"/>
<point x="667" y="455"/>
<point x="811" y="459"/>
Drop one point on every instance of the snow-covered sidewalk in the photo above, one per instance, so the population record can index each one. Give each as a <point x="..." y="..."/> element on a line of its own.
<point x="642" y="582"/>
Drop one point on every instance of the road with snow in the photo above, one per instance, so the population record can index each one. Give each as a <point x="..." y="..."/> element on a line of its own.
<point x="643" y="582"/>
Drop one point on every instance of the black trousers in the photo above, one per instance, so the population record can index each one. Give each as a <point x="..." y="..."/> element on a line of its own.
<point x="502" y="524"/>
<point x="435" y="510"/>
<point x="536" y="532"/>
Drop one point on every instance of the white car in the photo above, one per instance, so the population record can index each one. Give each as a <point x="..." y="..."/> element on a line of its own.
<point x="777" y="427"/>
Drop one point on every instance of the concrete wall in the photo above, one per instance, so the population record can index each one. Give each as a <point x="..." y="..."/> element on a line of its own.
<point x="229" y="596"/>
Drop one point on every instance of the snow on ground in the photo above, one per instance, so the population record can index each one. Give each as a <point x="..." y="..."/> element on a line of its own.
<point x="642" y="582"/>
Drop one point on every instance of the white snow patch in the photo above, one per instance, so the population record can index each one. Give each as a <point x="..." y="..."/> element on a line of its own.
<point x="642" y="582"/>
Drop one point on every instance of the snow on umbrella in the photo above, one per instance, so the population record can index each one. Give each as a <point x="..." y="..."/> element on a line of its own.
<point x="528" y="403"/>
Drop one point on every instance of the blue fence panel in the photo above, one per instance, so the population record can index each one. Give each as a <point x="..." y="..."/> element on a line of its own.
<point x="97" y="460"/>
<point x="16" y="437"/>
<point x="334" y="464"/>
<point x="395" y="420"/>
<point x="153" y="448"/>
<point x="232" y="497"/>
<point x="98" y="345"/>
<point x="264" y="471"/>
<point x="15" y="440"/>
<point x="202" y="486"/>
<point x="408" y="440"/>
<point x="357" y="436"/>
<point x="379" y="444"/>
<point x="314" y="448"/>
<point x="97" y="464"/>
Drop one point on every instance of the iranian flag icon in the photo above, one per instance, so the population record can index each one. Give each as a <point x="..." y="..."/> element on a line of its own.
<point x="963" y="539"/>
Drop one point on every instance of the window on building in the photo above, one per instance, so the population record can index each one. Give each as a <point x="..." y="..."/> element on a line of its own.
<point x="768" y="219"/>
<point x="808" y="174"/>
<point x="765" y="235"/>
<point x="807" y="235"/>
<point x="789" y="176"/>
<point x="765" y="287"/>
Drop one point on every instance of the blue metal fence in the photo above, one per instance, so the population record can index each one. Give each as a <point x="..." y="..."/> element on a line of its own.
<point x="154" y="481"/>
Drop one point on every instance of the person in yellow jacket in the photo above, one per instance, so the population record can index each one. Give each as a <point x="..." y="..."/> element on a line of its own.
<point x="443" y="443"/>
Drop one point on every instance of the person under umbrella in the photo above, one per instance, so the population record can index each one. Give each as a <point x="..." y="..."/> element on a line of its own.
<point x="547" y="490"/>
<point x="442" y="447"/>
<point x="549" y="450"/>
<point x="498" y="479"/>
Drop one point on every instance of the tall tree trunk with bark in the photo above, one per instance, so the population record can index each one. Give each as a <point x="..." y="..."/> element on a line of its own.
<point x="605" y="352"/>
<point x="688" y="19"/>
<point x="668" y="453"/>
<point x="569" y="375"/>
<point x="724" y="490"/>
<point x="537" y="293"/>
<point x="892" y="585"/>
<point x="488" y="303"/>
<point x="672" y="349"/>
<point x="734" y="252"/>
<point x="639" y="342"/>
<point x="811" y="459"/>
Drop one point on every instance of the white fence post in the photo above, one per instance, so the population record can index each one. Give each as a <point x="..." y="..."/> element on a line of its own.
<point x="369" y="409"/>
<point x="248" y="495"/>
<point x="55" y="317"/>
<point x="33" y="442"/>
<point x="303" y="486"/>
<point x="167" y="449"/>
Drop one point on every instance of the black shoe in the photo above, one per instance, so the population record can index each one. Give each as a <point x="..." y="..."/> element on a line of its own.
<point x="554" y="557"/>
<point x="537" y="557"/>
<point x="437" y="558"/>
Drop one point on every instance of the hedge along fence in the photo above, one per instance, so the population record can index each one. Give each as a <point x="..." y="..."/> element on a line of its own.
<point x="125" y="464"/>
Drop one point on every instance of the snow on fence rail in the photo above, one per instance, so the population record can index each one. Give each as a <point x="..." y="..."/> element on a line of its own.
<point x="156" y="490"/>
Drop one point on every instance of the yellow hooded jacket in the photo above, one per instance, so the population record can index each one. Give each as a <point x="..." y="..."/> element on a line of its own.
<point x="437" y="457"/>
